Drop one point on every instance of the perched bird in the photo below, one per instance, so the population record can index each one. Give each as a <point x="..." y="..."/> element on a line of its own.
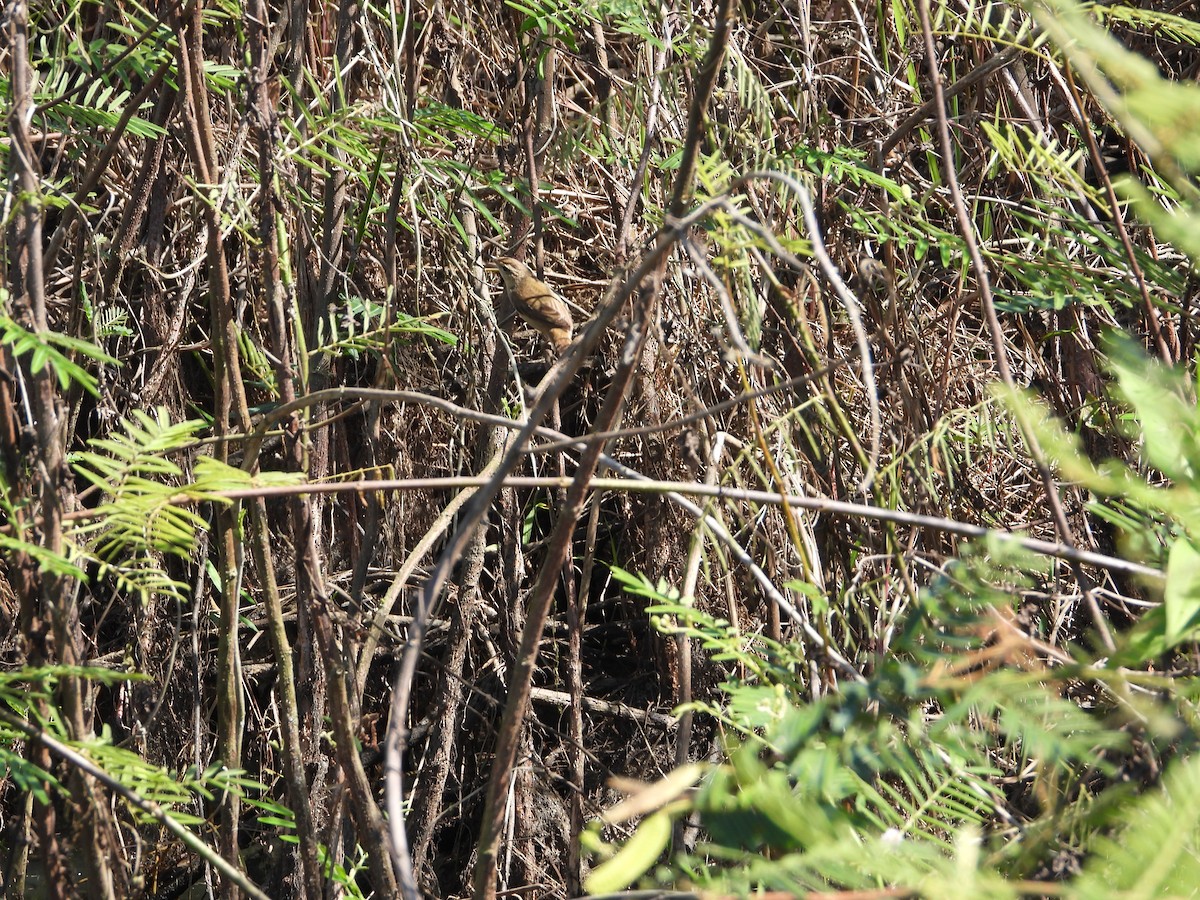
<point x="873" y="273"/>
<point x="536" y="302"/>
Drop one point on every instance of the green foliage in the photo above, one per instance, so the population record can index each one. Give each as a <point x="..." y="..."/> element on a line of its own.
<point x="1160" y="518"/>
<point x="1161" y="115"/>
<point x="139" y="519"/>
<point x="550" y="18"/>
<point x="633" y="858"/>
<point x="145" y="511"/>
<point x="366" y="328"/>
<point x="345" y="875"/>
<point x="27" y="693"/>
<point x="84" y="87"/>
<point x="50" y="349"/>
<point x="1049" y="277"/>
<point x="564" y="19"/>
<point x="960" y="764"/>
<point x="47" y="561"/>
<point x="1150" y="21"/>
<point x="895" y="780"/>
<point x="1161" y="832"/>
<point x="108" y="322"/>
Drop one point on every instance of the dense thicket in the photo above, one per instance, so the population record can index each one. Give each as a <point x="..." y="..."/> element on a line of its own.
<point x="288" y="575"/>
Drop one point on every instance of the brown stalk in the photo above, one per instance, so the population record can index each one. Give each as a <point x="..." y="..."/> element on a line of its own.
<point x="1118" y="217"/>
<point x="333" y="641"/>
<point x="559" y="544"/>
<point x="554" y="383"/>
<point x="266" y="126"/>
<point x="49" y="611"/>
<point x="557" y="552"/>
<point x="229" y="394"/>
<point x="651" y="136"/>
<point x="979" y="267"/>
<point x="466" y="613"/>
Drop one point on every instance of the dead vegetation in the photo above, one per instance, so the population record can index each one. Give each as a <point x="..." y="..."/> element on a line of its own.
<point x="277" y="218"/>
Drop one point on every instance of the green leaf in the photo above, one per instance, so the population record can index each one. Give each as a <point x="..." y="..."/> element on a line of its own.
<point x="1155" y="852"/>
<point x="633" y="860"/>
<point x="1145" y="641"/>
<point x="1167" y="420"/>
<point x="1181" y="598"/>
<point x="42" y="349"/>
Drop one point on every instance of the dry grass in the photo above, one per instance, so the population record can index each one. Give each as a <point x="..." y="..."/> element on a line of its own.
<point x="400" y="176"/>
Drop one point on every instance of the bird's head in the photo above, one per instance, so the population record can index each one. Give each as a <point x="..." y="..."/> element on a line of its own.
<point x="512" y="270"/>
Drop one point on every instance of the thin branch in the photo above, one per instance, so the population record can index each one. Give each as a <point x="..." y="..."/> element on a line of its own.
<point x="979" y="267"/>
<point x="149" y="807"/>
<point x="554" y="383"/>
<point x="643" y="485"/>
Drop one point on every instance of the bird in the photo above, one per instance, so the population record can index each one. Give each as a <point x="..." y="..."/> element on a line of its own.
<point x="873" y="273"/>
<point x="536" y="302"/>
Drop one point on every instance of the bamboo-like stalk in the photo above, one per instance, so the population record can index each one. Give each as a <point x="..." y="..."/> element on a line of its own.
<point x="229" y="400"/>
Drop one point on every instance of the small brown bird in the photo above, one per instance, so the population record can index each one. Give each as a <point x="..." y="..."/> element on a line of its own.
<point x="536" y="302"/>
<point x="873" y="273"/>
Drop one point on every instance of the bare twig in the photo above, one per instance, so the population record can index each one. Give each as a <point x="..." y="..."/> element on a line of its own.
<point x="641" y="484"/>
<point x="559" y="543"/>
<point x="979" y="267"/>
<point x="149" y="807"/>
